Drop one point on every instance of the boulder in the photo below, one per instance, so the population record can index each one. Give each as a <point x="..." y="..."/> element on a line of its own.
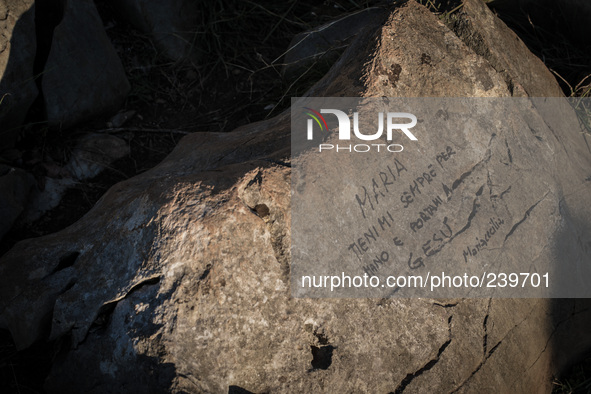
<point x="178" y="280"/>
<point x="92" y="154"/>
<point x="172" y="24"/>
<point x="17" y="56"/>
<point x="83" y="76"/>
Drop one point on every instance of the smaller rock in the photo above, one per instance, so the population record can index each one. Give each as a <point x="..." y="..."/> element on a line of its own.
<point x="15" y="188"/>
<point x="92" y="155"/>
<point x="83" y="75"/>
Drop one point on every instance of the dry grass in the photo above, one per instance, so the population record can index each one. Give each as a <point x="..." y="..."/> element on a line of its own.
<point x="548" y="33"/>
<point x="577" y="380"/>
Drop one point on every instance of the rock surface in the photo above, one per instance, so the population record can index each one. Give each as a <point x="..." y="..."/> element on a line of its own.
<point x="178" y="279"/>
<point x="83" y="76"/>
<point x="171" y="24"/>
<point x="17" y="55"/>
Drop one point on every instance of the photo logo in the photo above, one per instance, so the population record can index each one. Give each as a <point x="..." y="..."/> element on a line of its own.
<point x="345" y="129"/>
<point x="315" y="115"/>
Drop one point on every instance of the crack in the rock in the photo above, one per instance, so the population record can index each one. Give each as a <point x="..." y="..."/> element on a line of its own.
<point x="475" y="207"/>
<point x="258" y="179"/>
<point x="480" y="365"/>
<point x="430" y="364"/>
<point x="205" y="272"/>
<point x="448" y="305"/>
<point x="491" y="351"/>
<point x="504" y="192"/>
<point x="104" y="313"/>
<point x="518" y="324"/>
<point x="525" y="217"/>
<point x="486" y="354"/>
<point x="466" y="174"/>
<point x="509" y="152"/>
<point x="489" y="182"/>
<point x="485" y="328"/>
<point x="495" y="197"/>
<point x="152" y="280"/>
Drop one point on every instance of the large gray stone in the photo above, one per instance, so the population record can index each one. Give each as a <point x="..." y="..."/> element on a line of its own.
<point x="83" y="76"/>
<point x="17" y="55"/>
<point x="178" y="279"/>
